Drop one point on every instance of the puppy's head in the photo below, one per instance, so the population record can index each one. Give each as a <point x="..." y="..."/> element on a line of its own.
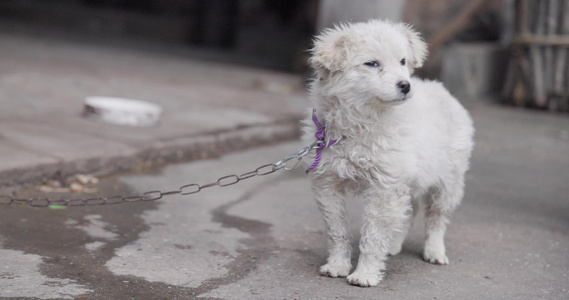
<point x="372" y="61"/>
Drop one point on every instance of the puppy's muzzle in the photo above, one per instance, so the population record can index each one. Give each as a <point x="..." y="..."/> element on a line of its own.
<point x="404" y="86"/>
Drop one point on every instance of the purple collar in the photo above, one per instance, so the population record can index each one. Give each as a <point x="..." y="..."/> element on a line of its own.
<point x="321" y="137"/>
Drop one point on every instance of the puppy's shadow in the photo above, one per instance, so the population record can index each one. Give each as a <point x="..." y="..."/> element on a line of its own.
<point x="411" y="250"/>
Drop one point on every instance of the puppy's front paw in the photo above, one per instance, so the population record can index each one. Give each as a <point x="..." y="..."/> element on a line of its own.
<point x="435" y="257"/>
<point x="335" y="270"/>
<point x="364" y="279"/>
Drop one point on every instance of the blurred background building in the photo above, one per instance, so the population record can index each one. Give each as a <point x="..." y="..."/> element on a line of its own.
<point x="472" y="36"/>
<point x="273" y="34"/>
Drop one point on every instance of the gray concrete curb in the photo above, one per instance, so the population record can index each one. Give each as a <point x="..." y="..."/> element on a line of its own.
<point x="201" y="146"/>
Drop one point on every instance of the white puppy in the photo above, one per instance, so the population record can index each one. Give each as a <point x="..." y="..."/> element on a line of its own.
<point x="390" y="139"/>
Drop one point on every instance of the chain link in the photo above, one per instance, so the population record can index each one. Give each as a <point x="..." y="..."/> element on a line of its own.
<point x="154" y="195"/>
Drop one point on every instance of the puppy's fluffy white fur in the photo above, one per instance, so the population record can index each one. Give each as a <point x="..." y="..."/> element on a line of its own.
<point x="396" y="148"/>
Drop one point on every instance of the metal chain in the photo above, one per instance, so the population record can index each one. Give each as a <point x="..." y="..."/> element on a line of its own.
<point x="184" y="190"/>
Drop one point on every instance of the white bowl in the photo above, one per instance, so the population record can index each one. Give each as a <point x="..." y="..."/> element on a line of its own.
<point x="122" y="111"/>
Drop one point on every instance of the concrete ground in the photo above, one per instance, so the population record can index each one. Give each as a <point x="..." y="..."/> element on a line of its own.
<point x="262" y="238"/>
<point x="209" y="108"/>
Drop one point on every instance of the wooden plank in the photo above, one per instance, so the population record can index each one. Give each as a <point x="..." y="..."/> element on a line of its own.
<point x="536" y="40"/>
<point x="564" y="69"/>
<point x="550" y="26"/>
<point x="523" y="17"/>
<point x="536" y="55"/>
<point x="561" y="53"/>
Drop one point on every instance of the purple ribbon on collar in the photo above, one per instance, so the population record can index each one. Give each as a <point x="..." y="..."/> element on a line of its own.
<point x="320" y="136"/>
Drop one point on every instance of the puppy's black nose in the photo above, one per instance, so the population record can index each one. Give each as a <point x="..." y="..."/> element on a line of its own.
<point x="404" y="86"/>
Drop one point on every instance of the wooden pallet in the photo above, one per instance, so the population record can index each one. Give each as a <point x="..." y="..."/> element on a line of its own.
<point x="538" y="72"/>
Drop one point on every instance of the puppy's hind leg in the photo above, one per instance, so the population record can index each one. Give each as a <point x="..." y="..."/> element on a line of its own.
<point x="384" y="215"/>
<point x="440" y="203"/>
<point x="331" y="202"/>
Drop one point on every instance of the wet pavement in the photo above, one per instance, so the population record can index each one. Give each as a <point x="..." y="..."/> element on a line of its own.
<point x="264" y="238"/>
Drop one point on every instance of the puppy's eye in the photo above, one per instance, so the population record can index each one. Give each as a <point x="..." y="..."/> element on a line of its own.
<point x="402" y="62"/>
<point x="372" y="63"/>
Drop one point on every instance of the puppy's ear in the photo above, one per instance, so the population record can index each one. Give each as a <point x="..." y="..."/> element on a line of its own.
<point x="330" y="52"/>
<point x="416" y="44"/>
